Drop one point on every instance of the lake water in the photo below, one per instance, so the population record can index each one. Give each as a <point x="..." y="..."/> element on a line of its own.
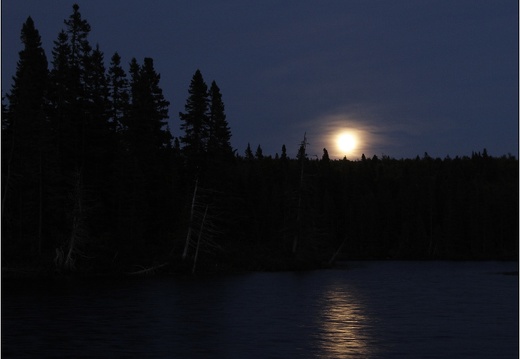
<point x="366" y="310"/>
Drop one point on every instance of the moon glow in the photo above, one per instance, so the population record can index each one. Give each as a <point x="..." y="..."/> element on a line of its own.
<point x="346" y="142"/>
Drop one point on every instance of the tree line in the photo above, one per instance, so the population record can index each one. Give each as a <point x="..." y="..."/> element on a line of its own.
<point x="94" y="181"/>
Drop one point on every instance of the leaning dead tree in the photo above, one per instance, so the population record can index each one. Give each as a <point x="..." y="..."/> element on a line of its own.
<point x="192" y="212"/>
<point x="148" y="270"/>
<point x="201" y="231"/>
<point x="202" y="227"/>
<point x="66" y="255"/>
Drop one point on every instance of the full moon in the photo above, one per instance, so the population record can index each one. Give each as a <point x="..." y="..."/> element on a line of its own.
<point x="346" y="142"/>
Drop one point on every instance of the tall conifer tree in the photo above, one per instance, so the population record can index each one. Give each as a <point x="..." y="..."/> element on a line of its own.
<point x="219" y="133"/>
<point x="249" y="153"/>
<point x="78" y="30"/>
<point x="79" y="117"/>
<point x="148" y="142"/>
<point x="71" y="62"/>
<point x="149" y="109"/>
<point x="100" y="142"/>
<point x="195" y="122"/>
<point x="28" y="135"/>
<point x="118" y="92"/>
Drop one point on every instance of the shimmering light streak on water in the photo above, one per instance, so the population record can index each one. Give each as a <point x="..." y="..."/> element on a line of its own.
<point x="344" y="331"/>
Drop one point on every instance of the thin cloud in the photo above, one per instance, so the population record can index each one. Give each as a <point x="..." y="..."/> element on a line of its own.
<point x="375" y="133"/>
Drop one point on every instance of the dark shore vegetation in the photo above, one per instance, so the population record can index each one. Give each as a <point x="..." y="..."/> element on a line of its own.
<point x="94" y="183"/>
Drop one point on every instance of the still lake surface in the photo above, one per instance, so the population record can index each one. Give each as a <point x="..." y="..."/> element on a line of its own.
<point x="366" y="310"/>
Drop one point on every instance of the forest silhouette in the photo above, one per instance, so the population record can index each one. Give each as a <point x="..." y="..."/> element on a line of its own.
<point x="94" y="182"/>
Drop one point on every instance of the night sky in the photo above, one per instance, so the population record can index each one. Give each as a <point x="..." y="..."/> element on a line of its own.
<point x="404" y="77"/>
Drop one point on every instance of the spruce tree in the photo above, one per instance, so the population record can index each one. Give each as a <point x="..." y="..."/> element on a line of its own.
<point x="259" y="154"/>
<point x="195" y="123"/>
<point x="249" y="153"/>
<point x="27" y="130"/>
<point x="157" y="105"/>
<point x="84" y="140"/>
<point x="61" y="98"/>
<point x="118" y="92"/>
<point x="146" y="165"/>
<point x="68" y="91"/>
<point x="302" y="154"/>
<point x="148" y="110"/>
<point x="96" y="108"/>
<point x="78" y="30"/>
<point x="219" y="146"/>
<point x="99" y="141"/>
<point x="325" y="157"/>
<point x="284" y="157"/>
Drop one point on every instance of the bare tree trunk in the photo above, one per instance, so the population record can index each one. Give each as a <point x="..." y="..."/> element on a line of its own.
<point x="150" y="270"/>
<point x="78" y="232"/>
<point x="198" y="241"/>
<point x="70" y="258"/>
<point x="333" y="258"/>
<point x="187" y="243"/>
